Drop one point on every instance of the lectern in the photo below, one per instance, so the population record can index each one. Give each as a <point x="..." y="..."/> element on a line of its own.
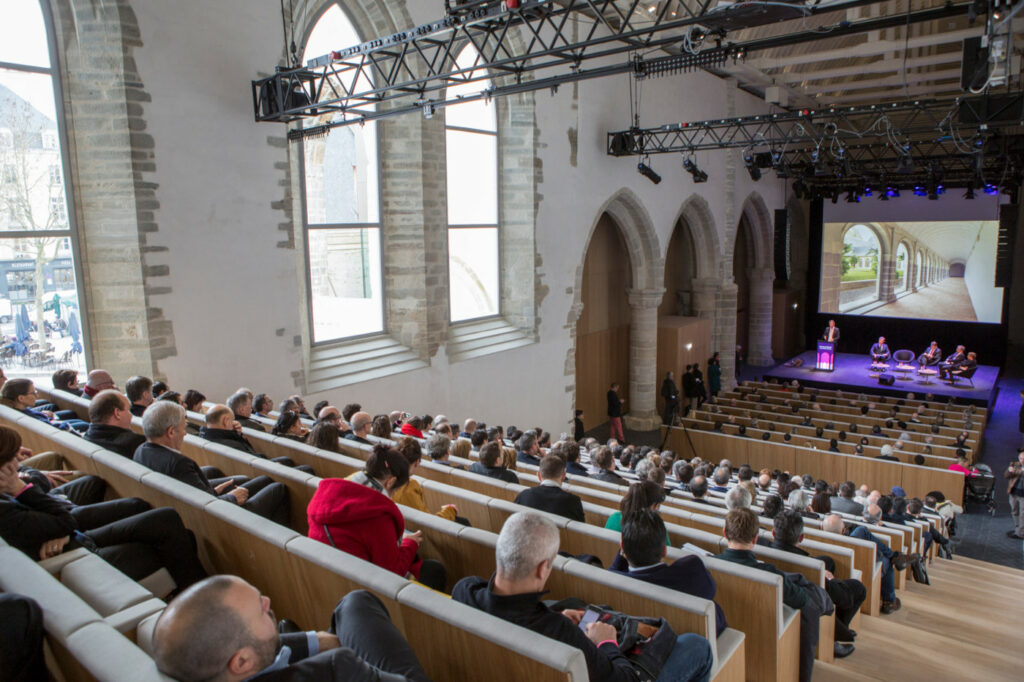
<point x="826" y="356"/>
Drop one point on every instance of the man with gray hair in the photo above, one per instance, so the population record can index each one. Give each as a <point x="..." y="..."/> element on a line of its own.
<point x="241" y="406"/>
<point x="361" y="423"/>
<point x="525" y="555"/>
<point x="721" y="479"/>
<point x="529" y="449"/>
<point x="737" y="498"/>
<point x="164" y="427"/>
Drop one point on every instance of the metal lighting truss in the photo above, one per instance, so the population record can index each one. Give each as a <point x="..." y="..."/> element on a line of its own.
<point x="409" y="71"/>
<point x="961" y="141"/>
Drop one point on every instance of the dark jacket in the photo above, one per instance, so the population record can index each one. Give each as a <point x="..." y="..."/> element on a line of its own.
<point x="669" y="391"/>
<point x="792" y="594"/>
<point x="137" y="410"/>
<point x="336" y="665"/>
<point x="614" y="404"/>
<point x="576" y="469"/>
<point x="689" y="385"/>
<point x="228" y="438"/>
<point x="114" y="438"/>
<point x="687" y="574"/>
<point x="500" y="473"/>
<point x="578" y="431"/>
<point x="830" y="563"/>
<point x="553" y="499"/>
<point x="609" y="477"/>
<point x="176" y="465"/>
<point x="605" y="664"/>
<point x="351" y="435"/>
<point x="248" y="423"/>
<point x="32" y="518"/>
<point x="526" y="458"/>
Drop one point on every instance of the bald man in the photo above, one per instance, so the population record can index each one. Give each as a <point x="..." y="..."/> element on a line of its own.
<point x="223" y="628"/>
<point x="99" y="380"/>
<point x="361" y="423"/>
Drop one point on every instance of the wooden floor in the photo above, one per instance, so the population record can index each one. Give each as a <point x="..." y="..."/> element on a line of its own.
<point x="967" y="625"/>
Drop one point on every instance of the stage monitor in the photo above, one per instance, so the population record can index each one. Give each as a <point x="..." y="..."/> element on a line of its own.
<point x="900" y="267"/>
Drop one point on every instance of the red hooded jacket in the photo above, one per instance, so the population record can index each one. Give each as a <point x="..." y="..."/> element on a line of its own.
<point x="363" y="523"/>
<point x="410" y="430"/>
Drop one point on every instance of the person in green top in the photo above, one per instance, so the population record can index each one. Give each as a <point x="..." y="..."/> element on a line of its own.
<point x="642" y="496"/>
<point x="714" y="375"/>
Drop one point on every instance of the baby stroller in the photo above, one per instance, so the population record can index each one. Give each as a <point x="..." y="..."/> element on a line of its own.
<point x="981" y="488"/>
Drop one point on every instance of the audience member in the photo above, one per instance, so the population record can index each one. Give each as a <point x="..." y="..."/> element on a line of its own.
<point x="891" y="561"/>
<point x="241" y="406"/>
<point x="222" y="429"/>
<point x="21" y="639"/>
<point x="289" y="425"/>
<point x="110" y="421"/>
<point x="99" y="380"/>
<point x="139" y="391"/>
<point x="411" y="494"/>
<point x="361" y="423"/>
<point x="549" y="496"/>
<point x="529" y="449"/>
<point x="492" y="464"/>
<point x="262" y="405"/>
<point x="324" y="436"/>
<point x="605" y="463"/>
<point x="67" y="380"/>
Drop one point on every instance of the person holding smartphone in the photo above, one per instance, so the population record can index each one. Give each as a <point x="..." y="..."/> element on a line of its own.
<point x="1015" y="489"/>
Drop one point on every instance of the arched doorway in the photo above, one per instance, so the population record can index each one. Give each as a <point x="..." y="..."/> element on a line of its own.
<point x="603" y="328"/>
<point x="862" y="253"/>
<point x="743" y="261"/>
<point x="680" y="271"/>
<point x="902" y="265"/>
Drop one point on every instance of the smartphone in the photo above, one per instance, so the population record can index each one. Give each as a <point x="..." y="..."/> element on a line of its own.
<point x="588" y="618"/>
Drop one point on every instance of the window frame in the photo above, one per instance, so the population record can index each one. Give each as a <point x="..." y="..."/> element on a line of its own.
<point x="63" y="147"/>
<point x="307" y="227"/>
<point x="496" y="134"/>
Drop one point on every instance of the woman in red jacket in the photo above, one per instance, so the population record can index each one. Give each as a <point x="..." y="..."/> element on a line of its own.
<point x="357" y="516"/>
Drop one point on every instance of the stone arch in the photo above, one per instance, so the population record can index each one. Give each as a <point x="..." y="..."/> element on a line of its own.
<point x="762" y="227"/>
<point x="697" y="213"/>
<point x="885" y="267"/>
<point x="637" y="230"/>
<point x="760" y="276"/>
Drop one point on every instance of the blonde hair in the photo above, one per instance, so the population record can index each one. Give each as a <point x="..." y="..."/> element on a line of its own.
<point x="461" y="448"/>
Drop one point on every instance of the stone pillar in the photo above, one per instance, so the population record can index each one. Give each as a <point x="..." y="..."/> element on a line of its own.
<point x="723" y="334"/>
<point x="887" y="277"/>
<point x="759" y="351"/>
<point x="831" y="270"/>
<point x="704" y="299"/>
<point x="643" y="359"/>
<point x="912" y="273"/>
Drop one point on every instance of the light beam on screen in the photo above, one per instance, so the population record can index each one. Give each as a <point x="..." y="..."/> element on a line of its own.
<point x="911" y="269"/>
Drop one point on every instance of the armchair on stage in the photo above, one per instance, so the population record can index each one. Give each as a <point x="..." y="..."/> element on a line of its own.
<point x="963" y="373"/>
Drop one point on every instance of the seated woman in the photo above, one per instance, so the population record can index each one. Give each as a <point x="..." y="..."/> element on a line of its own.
<point x="358" y="516"/>
<point x="771" y="506"/>
<point x="289" y="425"/>
<point x="411" y="494"/>
<point x="413" y="426"/>
<point x="20" y="395"/>
<point x="194" y="401"/>
<point x="960" y="466"/>
<point x="381" y="427"/>
<point x="642" y="496"/>
<point x="821" y="503"/>
<point x="324" y="436"/>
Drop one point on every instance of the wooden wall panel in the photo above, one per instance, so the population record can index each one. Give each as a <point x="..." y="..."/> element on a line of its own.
<point x="674" y="333"/>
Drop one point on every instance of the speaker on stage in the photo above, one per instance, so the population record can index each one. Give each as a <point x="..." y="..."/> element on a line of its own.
<point x="886" y="379"/>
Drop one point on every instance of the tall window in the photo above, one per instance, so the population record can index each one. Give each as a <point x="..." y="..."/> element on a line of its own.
<point x="40" y="310"/>
<point x="342" y="215"/>
<point x="471" y="141"/>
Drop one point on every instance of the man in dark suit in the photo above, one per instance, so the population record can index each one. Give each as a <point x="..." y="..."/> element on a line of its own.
<point x="967" y="365"/>
<point x="931" y="356"/>
<point x="549" y="496"/>
<point x="361" y="424"/>
<point x="605" y="462"/>
<point x="831" y="332"/>
<point x="689" y="389"/>
<point x="880" y="351"/>
<point x="529" y="449"/>
<point x="164" y="426"/>
<point x="491" y="464"/>
<point x="643" y="548"/>
<point x="110" y="421"/>
<point x="140" y="393"/>
<point x="954" y="360"/>
<point x="222" y="429"/>
<point x="241" y="405"/>
<point x="231" y="624"/>
<point x="670" y="393"/>
<point x="847" y="595"/>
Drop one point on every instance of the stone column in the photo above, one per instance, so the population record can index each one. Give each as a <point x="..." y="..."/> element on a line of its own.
<point x="887" y="278"/>
<point x="723" y="335"/>
<point x="643" y="359"/>
<point x="704" y="299"/>
<point x="831" y="271"/>
<point x="759" y="352"/>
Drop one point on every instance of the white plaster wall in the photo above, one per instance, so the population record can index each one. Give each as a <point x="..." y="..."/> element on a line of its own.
<point x="234" y="289"/>
<point x="980" y="273"/>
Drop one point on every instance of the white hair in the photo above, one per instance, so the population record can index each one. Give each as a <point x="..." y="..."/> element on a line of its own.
<point x="886" y="449"/>
<point x="797" y="500"/>
<point x="160" y="416"/>
<point x="737" y="498"/>
<point x="525" y="541"/>
<point x="832" y="523"/>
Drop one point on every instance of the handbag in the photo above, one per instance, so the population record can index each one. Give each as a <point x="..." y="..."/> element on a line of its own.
<point x="645" y="642"/>
<point x="919" y="572"/>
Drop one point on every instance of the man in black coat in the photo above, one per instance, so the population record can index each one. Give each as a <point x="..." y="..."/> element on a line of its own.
<point x="240" y="404"/>
<point x="140" y="394"/>
<point x="363" y="645"/>
<point x="605" y="462"/>
<point x="952" y="362"/>
<point x="222" y="428"/>
<point x="670" y="393"/>
<point x="110" y="421"/>
<point x="689" y="389"/>
<point x="490" y="464"/>
<point x="549" y="496"/>
<point x="164" y="425"/>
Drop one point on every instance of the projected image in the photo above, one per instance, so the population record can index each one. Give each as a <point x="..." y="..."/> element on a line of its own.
<point x="918" y="270"/>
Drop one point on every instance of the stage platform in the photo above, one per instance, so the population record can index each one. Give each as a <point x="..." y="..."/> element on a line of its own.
<point x="852" y="373"/>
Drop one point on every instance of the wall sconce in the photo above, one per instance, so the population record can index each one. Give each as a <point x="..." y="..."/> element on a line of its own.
<point x="689" y="346"/>
<point x="795" y="306"/>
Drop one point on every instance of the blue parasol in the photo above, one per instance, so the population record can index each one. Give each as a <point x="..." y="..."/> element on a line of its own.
<point x="26" y="323"/>
<point x="76" y="332"/>
<point x="20" y="335"/>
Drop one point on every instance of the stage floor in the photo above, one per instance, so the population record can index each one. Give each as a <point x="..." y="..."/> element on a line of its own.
<point x="852" y="373"/>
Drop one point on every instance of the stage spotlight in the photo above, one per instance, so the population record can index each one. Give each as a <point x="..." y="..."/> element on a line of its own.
<point x="691" y="167"/>
<point x="648" y="173"/>
<point x="919" y="191"/>
<point x="867" y="191"/>
<point x="991" y="189"/>
<point x="752" y="169"/>
<point x="893" y="192"/>
<point x="969" y="194"/>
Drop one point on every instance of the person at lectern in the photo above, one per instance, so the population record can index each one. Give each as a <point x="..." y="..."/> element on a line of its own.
<point x="880" y="351"/>
<point x="931" y="356"/>
<point x="951" y="362"/>
<point x="831" y="333"/>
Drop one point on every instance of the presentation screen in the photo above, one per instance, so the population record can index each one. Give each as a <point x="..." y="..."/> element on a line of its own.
<point x="934" y="270"/>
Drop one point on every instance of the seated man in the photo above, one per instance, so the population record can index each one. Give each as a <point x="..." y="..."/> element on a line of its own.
<point x="549" y="496"/>
<point x="164" y="426"/>
<point x="698" y="488"/>
<point x="741" y="526"/>
<point x="133" y="537"/>
<point x="222" y="429"/>
<point x="529" y="449"/>
<point x="98" y="380"/>
<point x="605" y="463"/>
<point x="491" y="464"/>
<point x="951" y="362"/>
<point x="844" y="503"/>
<point x="967" y="365"/>
<point x="880" y="351"/>
<point x="240" y="404"/>
<point x="361" y="422"/>
<point x="891" y="561"/>
<point x="468" y="427"/>
<point x="569" y="450"/>
<point x="931" y="356"/>
<point x="139" y="390"/>
<point x="847" y="595"/>
<point x="224" y="629"/>
<point x="721" y="480"/>
<point x="110" y="421"/>
<point x="525" y="554"/>
<point x="643" y="549"/>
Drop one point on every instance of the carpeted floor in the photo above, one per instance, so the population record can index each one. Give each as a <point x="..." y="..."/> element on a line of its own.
<point x="979" y="534"/>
